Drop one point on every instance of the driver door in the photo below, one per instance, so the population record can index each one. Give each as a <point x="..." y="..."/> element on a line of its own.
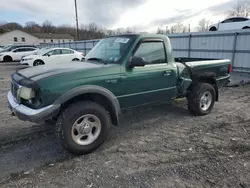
<point x="154" y="82"/>
<point x="52" y="57"/>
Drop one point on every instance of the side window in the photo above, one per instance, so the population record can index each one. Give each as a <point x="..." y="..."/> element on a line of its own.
<point x="228" y="20"/>
<point x="20" y="50"/>
<point x="53" y="52"/>
<point x="152" y="52"/>
<point x="240" y="19"/>
<point x="30" y="49"/>
<point x="65" y="51"/>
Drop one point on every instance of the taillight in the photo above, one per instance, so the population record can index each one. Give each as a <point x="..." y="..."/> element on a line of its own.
<point x="230" y="68"/>
<point x="82" y="54"/>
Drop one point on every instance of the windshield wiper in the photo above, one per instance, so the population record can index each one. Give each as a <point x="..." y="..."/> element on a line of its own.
<point x="97" y="59"/>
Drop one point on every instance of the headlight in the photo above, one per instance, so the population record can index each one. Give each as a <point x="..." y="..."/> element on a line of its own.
<point x="26" y="93"/>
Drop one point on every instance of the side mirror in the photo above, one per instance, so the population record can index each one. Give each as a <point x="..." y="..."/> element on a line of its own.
<point x="137" y="62"/>
<point x="48" y="55"/>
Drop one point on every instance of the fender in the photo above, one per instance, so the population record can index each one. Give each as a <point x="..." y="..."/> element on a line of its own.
<point x="91" y="89"/>
<point x="208" y="77"/>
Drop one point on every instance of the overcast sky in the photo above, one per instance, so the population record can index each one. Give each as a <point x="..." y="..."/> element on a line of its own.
<point x="143" y="15"/>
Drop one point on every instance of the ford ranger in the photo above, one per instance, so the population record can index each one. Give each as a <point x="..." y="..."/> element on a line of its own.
<point x="85" y="98"/>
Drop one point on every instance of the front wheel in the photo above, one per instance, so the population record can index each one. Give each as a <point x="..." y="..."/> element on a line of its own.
<point x="83" y="127"/>
<point x="201" y="99"/>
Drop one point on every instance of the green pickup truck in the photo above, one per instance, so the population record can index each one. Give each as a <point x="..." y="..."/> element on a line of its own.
<point x="85" y="98"/>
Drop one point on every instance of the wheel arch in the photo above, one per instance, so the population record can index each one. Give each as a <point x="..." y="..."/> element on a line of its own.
<point x="8" y="56"/>
<point x="213" y="28"/>
<point x="97" y="94"/>
<point x="246" y="27"/>
<point x="206" y="78"/>
<point x="37" y="60"/>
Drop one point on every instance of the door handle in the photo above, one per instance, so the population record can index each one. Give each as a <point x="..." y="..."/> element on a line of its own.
<point x="167" y="73"/>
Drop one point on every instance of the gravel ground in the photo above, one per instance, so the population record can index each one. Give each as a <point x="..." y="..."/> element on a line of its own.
<point x="159" y="146"/>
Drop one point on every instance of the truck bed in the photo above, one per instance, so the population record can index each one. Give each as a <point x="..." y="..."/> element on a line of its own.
<point x="199" y="66"/>
<point x="189" y="59"/>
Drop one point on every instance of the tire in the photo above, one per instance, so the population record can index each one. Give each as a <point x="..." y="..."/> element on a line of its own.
<point x="69" y="126"/>
<point x="75" y="59"/>
<point x="246" y="27"/>
<point x="38" y="62"/>
<point x="201" y="99"/>
<point x="7" y="58"/>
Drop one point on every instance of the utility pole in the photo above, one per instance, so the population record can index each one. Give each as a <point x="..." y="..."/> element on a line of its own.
<point x="77" y="27"/>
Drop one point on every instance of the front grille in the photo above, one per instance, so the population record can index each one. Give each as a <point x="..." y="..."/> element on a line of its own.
<point x="14" y="90"/>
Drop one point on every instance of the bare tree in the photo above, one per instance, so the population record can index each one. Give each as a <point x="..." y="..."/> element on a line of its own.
<point x="203" y="25"/>
<point x="160" y="31"/>
<point x="178" y="28"/>
<point x="242" y="8"/>
<point x="32" y="27"/>
<point x="47" y="26"/>
<point x="11" y="26"/>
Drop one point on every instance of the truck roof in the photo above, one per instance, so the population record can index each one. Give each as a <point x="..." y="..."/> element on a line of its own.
<point x="140" y="35"/>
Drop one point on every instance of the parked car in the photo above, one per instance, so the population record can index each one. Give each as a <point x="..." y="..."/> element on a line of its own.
<point x="120" y="72"/>
<point x="52" y="56"/>
<point x="11" y="47"/>
<point x="231" y="23"/>
<point x="16" y="54"/>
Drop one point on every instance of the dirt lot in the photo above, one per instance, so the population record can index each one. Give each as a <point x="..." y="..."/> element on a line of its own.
<point x="160" y="146"/>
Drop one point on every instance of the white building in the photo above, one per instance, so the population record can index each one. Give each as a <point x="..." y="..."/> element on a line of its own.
<point x="53" y="38"/>
<point x="20" y="37"/>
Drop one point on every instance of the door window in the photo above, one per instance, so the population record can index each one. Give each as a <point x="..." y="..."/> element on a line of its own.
<point x="20" y="50"/>
<point x="53" y="52"/>
<point x="240" y="19"/>
<point x="66" y="51"/>
<point x="30" y="49"/>
<point x="152" y="52"/>
<point x="230" y="20"/>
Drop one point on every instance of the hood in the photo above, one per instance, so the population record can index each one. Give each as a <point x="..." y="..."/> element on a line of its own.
<point x="40" y="72"/>
<point x="30" y="56"/>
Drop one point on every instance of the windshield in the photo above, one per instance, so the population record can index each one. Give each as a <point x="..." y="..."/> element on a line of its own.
<point x="111" y="49"/>
<point x="6" y="48"/>
<point x="42" y="51"/>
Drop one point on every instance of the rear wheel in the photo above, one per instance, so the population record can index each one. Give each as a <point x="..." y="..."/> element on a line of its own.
<point x="201" y="99"/>
<point x="75" y="59"/>
<point x="38" y="62"/>
<point x="83" y="127"/>
<point x="7" y="59"/>
<point x="246" y="27"/>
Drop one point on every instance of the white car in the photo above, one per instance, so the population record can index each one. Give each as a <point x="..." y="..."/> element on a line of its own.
<point x="52" y="56"/>
<point x="17" y="53"/>
<point x="231" y="24"/>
